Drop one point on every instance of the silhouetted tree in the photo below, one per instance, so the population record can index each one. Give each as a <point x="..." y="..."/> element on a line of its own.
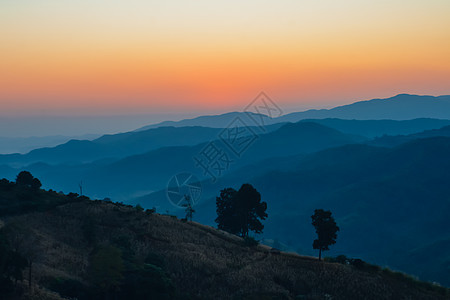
<point x="326" y="229"/>
<point x="72" y="195"/>
<point x="36" y="184"/>
<point x="239" y="212"/>
<point x="24" y="179"/>
<point x="139" y="207"/>
<point x="189" y="209"/>
<point x="225" y="208"/>
<point x="27" y="180"/>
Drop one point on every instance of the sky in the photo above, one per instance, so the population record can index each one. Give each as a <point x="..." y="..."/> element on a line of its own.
<point x="110" y="57"/>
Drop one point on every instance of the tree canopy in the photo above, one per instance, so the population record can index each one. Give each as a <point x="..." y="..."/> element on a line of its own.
<point x="326" y="229"/>
<point x="240" y="212"/>
<point x="25" y="178"/>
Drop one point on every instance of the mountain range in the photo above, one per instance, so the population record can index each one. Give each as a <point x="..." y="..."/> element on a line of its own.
<point x="399" y="107"/>
<point x="385" y="180"/>
<point x="26" y="144"/>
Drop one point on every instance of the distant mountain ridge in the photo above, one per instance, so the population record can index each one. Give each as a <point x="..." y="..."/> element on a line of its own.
<point x="26" y="144"/>
<point x="152" y="170"/>
<point x="117" y="146"/>
<point x="399" y="107"/>
<point x="113" y="146"/>
<point x="145" y="160"/>
<point x="378" y="128"/>
<point x="215" y="121"/>
<point x="370" y="123"/>
<point x="391" y="141"/>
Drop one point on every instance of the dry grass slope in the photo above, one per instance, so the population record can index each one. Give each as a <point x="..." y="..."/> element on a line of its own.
<point x="201" y="261"/>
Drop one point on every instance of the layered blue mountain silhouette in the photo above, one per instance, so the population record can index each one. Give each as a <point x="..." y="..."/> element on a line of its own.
<point x="400" y="107"/>
<point x="381" y="166"/>
<point x="215" y="121"/>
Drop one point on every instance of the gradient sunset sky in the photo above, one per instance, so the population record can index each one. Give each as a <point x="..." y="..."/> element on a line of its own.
<point x="143" y="56"/>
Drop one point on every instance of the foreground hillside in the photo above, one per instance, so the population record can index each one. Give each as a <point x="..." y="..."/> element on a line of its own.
<point x="94" y="249"/>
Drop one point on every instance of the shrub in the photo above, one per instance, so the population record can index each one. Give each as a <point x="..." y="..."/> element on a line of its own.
<point x="250" y="241"/>
<point x="342" y="259"/>
<point x="355" y="262"/>
<point x="72" y="195"/>
<point x="67" y="287"/>
<point x="150" y="211"/>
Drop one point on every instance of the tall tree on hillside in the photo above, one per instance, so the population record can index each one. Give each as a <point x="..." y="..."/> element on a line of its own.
<point x="225" y="208"/>
<point x="240" y="212"/>
<point x="326" y="229"/>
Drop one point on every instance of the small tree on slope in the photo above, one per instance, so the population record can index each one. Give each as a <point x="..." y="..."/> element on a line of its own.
<point x="326" y="229"/>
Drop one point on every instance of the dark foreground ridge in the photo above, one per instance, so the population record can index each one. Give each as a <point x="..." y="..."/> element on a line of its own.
<point x="84" y="249"/>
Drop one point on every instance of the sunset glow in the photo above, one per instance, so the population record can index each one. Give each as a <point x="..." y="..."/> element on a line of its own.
<point x="134" y="56"/>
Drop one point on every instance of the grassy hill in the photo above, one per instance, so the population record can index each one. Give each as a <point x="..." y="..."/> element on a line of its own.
<point x="94" y="249"/>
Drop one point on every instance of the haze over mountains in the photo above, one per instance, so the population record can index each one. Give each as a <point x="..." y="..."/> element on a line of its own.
<point x="400" y="107"/>
<point x="155" y="154"/>
<point x="380" y="165"/>
<point x="26" y="144"/>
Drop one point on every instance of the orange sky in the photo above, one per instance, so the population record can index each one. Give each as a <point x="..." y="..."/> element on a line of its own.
<point x="143" y="56"/>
